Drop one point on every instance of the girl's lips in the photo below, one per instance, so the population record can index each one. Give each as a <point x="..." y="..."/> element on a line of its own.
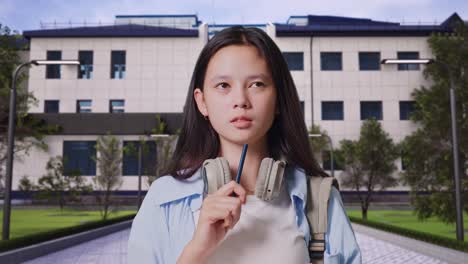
<point x="240" y="123"/>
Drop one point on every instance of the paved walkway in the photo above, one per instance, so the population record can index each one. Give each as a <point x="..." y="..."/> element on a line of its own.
<point x="376" y="247"/>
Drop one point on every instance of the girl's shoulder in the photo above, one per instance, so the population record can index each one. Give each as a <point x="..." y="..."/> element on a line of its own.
<point x="167" y="188"/>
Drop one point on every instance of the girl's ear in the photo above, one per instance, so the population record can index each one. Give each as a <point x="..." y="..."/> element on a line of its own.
<point x="200" y="100"/>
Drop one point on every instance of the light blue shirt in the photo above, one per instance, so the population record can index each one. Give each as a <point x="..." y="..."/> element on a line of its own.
<point x="164" y="224"/>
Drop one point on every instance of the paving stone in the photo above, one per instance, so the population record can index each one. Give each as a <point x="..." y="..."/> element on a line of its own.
<point x="113" y="249"/>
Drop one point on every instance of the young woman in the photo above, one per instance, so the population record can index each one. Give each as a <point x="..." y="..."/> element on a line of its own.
<point x="241" y="92"/>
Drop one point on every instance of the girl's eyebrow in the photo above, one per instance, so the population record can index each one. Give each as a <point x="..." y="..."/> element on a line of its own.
<point x="227" y="77"/>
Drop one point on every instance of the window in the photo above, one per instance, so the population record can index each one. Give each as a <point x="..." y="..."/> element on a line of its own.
<point x="85" y="71"/>
<point x="326" y="158"/>
<point x="369" y="61"/>
<point x="406" y="109"/>
<point x="118" y="64"/>
<point x="53" y="71"/>
<point x="51" y="106"/>
<point x="408" y="55"/>
<point x="330" y="61"/>
<point x="295" y="60"/>
<point x="83" y="106"/>
<point x="371" y="109"/>
<point x="332" y="110"/>
<point x="78" y="157"/>
<point x="116" y="106"/>
<point x="130" y="158"/>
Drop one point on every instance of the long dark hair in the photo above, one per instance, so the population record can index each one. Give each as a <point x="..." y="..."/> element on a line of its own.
<point x="288" y="135"/>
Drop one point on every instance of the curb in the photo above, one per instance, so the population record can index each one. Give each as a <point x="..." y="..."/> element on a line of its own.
<point x="31" y="252"/>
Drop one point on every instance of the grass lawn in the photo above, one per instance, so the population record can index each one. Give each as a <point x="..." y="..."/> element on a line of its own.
<point x="31" y="221"/>
<point x="406" y="219"/>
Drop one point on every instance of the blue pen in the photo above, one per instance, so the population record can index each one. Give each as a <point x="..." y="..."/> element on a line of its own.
<point x="241" y="165"/>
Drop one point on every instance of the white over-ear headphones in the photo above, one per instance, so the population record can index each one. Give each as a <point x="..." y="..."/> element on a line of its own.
<point x="216" y="173"/>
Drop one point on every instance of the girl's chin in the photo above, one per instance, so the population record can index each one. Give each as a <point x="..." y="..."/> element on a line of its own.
<point x="242" y="137"/>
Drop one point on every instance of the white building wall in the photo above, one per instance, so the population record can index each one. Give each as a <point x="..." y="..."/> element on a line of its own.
<point x="158" y="72"/>
<point x="352" y="86"/>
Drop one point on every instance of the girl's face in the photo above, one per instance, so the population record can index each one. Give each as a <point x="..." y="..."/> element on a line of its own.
<point x="238" y="83"/>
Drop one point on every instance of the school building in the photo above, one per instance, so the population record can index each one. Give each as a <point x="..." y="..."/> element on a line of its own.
<point x="141" y="66"/>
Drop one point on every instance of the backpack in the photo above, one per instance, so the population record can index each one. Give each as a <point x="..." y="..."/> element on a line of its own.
<point x="318" y="194"/>
<point x="216" y="173"/>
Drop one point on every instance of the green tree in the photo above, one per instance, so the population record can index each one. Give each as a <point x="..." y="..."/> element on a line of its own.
<point x="109" y="179"/>
<point x="57" y="186"/>
<point x="427" y="153"/>
<point x="369" y="163"/>
<point x="30" y="131"/>
<point x="26" y="185"/>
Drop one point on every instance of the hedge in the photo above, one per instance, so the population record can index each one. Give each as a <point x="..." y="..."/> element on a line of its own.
<point x="434" y="239"/>
<point x="29" y="240"/>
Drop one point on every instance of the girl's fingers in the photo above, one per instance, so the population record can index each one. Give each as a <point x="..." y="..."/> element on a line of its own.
<point x="231" y="187"/>
<point x="222" y="207"/>
<point x="219" y="211"/>
<point x="228" y="221"/>
<point x="234" y="212"/>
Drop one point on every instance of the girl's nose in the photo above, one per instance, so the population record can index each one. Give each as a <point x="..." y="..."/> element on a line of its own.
<point x="240" y="99"/>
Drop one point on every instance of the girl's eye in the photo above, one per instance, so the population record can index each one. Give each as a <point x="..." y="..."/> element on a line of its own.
<point x="259" y="84"/>
<point x="219" y="84"/>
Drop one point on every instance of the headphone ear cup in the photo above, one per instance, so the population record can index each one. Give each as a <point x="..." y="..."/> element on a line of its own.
<point x="215" y="173"/>
<point x="270" y="179"/>
<point x="225" y="175"/>
<point x="262" y="178"/>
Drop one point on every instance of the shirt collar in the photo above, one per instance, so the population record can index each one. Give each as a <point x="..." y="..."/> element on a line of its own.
<point x="175" y="189"/>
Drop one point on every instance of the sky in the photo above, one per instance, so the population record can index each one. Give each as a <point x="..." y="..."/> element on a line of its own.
<point x="29" y="14"/>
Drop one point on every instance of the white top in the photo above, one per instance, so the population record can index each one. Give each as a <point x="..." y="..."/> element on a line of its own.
<point x="265" y="233"/>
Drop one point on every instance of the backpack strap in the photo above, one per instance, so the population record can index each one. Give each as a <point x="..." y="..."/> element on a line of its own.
<point x="317" y="214"/>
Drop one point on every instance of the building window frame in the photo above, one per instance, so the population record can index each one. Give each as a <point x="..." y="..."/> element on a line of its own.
<point x="84" y="106"/>
<point x="82" y="158"/>
<point x="331" y="61"/>
<point x="117" y="106"/>
<point x="369" y="61"/>
<point x="330" y="112"/>
<point x="403" y="55"/>
<point x="51" y="106"/>
<point x="53" y="71"/>
<point x="85" y="71"/>
<point x="118" y="64"/>
<point x="407" y="108"/>
<point x="371" y="107"/>
<point x="295" y="60"/>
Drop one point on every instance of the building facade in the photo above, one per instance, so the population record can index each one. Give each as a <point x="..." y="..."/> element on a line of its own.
<point x="142" y="65"/>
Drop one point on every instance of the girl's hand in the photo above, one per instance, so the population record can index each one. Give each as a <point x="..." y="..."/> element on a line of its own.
<point x="219" y="213"/>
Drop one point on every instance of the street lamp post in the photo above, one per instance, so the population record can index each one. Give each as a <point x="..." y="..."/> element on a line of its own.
<point x="11" y="139"/>
<point x="453" y="113"/>
<point x="332" y="166"/>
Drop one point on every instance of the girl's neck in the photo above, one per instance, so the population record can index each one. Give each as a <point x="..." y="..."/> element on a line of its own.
<point x="255" y="153"/>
